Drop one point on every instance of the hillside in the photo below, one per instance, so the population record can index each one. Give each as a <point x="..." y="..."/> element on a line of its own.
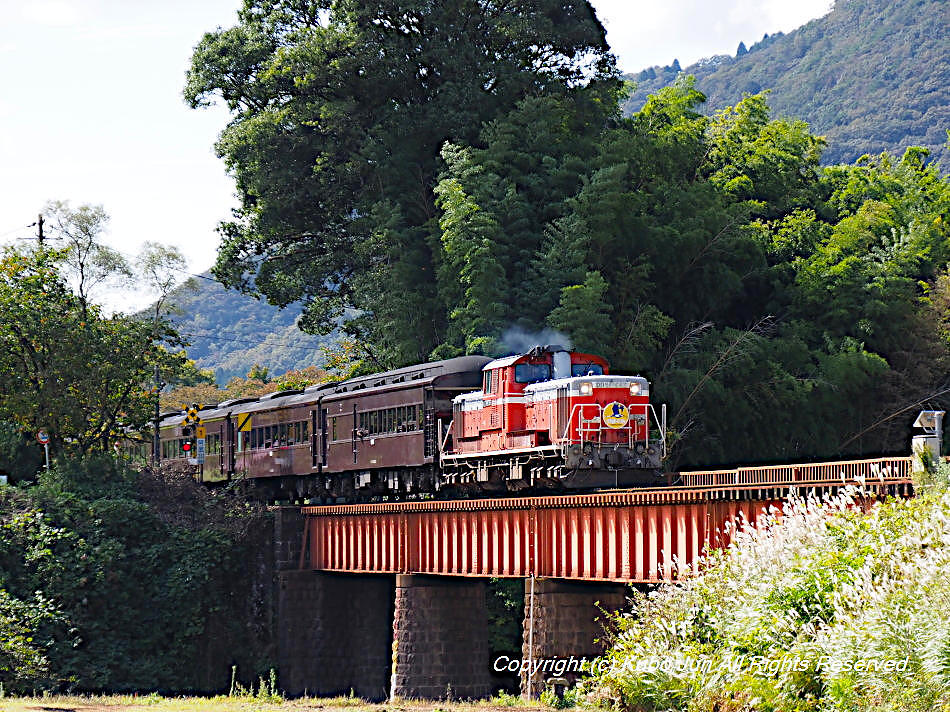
<point x="230" y="332"/>
<point x="872" y="75"/>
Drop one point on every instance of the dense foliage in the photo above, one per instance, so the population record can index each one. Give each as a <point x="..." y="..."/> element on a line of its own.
<point x="65" y="365"/>
<point x="873" y="75"/>
<point x="781" y="309"/>
<point x="113" y="580"/>
<point x="826" y="608"/>
<point x="340" y="111"/>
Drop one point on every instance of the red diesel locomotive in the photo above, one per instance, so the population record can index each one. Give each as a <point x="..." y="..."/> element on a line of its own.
<point x="549" y="419"/>
<point x="552" y="417"/>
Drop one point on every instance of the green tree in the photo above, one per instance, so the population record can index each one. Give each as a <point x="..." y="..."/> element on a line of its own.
<point x="340" y="111"/>
<point x="259" y="373"/>
<point x="20" y="455"/>
<point x="584" y="313"/>
<point x="88" y="262"/>
<point x="66" y="367"/>
<point x="115" y="580"/>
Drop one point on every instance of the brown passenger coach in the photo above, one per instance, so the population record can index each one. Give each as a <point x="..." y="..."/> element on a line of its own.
<point x="363" y="437"/>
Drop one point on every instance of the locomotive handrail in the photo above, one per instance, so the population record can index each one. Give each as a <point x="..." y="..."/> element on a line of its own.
<point x="661" y="427"/>
<point x="448" y="434"/>
<point x="570" y="418"/>
<point x="628" y="428"/>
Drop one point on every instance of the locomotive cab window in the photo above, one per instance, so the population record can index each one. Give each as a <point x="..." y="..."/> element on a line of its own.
<point x="487" y="387"/>
<point x="587" y="369"/>
<point x="531" y="372"/>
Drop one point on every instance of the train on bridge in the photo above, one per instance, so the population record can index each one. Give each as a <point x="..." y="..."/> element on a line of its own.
<point x="547" y="420"/>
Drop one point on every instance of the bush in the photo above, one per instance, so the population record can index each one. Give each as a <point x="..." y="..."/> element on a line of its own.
<point x="788" y="617"/>
<point x="20" y="456"/>
<point x="116" y="580"/>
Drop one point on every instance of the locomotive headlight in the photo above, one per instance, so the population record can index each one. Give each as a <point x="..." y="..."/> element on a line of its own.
<point x="587" y="388"/>
<point x="635" y="388"/>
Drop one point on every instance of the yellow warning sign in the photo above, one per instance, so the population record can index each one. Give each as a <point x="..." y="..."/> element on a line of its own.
<point x="244" y="423"/>
<point x="200" y="431"/>
<point x="616" y="415"/>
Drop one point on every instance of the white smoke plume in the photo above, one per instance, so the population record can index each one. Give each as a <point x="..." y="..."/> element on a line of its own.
<point x="517" y="340"/>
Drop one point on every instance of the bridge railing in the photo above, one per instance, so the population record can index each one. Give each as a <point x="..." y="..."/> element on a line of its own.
<point x="880" y="469"/>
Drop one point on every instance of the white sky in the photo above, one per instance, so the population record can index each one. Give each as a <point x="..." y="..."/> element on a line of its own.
<point x="91" y="108"/>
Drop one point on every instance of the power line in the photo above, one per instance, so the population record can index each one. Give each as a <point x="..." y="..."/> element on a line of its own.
<point x="16" y="229"/>
<point x="42" y="238"/>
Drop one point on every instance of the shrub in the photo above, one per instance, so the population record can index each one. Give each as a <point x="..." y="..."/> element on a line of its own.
<point x="116" y="580"/>
<point x="787" y="617"/>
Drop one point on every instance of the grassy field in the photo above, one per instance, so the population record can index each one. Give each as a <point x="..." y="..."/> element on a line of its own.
<point x="155" y="703"/>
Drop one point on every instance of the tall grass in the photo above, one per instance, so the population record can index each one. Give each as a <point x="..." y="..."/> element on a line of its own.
<point x="823" y="606"/>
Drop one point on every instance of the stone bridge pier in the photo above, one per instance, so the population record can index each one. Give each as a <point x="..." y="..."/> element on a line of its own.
<point x="425" y="637"/>
<point x="563" y="624"/>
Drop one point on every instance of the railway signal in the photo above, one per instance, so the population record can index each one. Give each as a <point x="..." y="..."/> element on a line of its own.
<point x="193" y="432"/>
<point x="191" y="413"/>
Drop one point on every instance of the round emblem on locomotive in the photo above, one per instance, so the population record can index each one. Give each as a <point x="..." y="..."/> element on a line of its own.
<point x="616" y="415"/>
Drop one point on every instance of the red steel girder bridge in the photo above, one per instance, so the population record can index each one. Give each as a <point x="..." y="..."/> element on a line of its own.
<point x="636" y="536"/>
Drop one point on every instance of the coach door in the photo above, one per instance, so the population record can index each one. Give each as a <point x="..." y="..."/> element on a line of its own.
<point x="318" y="439"/>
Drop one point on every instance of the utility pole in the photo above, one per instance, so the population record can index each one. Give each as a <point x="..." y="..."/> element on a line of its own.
<point x="156" y="436"/>
<point x="39" y="229"/>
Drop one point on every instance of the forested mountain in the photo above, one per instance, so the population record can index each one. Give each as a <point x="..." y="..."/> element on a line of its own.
<point x="872" y="75"/>
<point x="230" y="332"/>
